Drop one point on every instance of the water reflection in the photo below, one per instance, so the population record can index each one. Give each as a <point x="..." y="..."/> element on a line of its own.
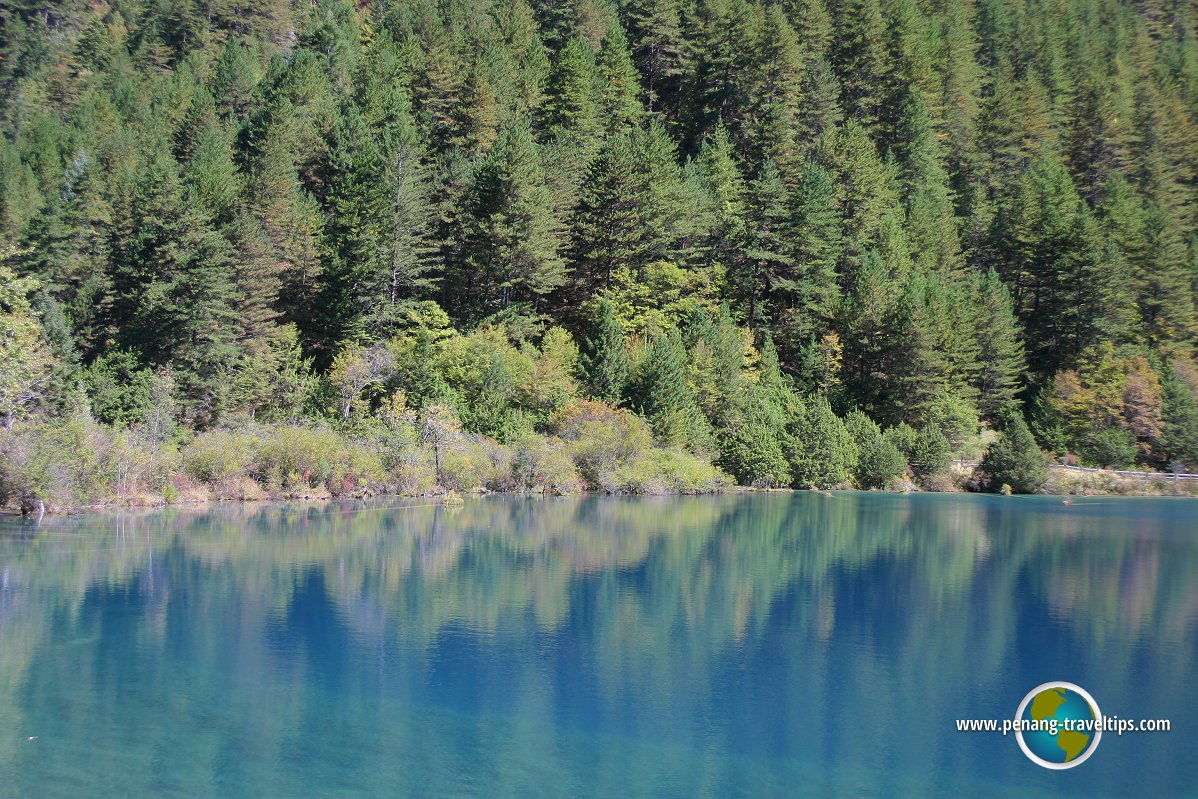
<point x="748" y="645"/>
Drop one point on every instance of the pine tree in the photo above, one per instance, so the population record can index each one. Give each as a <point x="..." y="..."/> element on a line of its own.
<point x="931" y="225"/>
<point x="776" y="100"/>
<point x="659" y="391"/>
<point x="878" y="460"/>
<point x="606" y="356"/>
<point x="1163" y="283"/>
<point x="1000" y="351"/>
<point x="766" y="277"/>
<point x="864" y="62"/>
<point x="658" y="51"/>
<point x="1014" y="459"/>
<point x="723" y="42"/>
<point x="619" y="92"/>
<point x="628" y="210"/>
<point x="752" y="445"/>
<point x="823" y="454"/>
<point x="814" y="298"/>
<point x="509" y="239"/>
<point x="812" y="22"/>
<point x="176" y="293"/>
<point x="293" y="226"/>
<point x="572" y="107"/>
<point x="1180" y="411"/>
<point x="821" y="110"/>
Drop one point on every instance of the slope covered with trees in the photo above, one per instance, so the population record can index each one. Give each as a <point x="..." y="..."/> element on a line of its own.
<point x="811" y="241"/>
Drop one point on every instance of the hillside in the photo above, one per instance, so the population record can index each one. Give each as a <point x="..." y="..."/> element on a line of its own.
<point x="815" y="243"/>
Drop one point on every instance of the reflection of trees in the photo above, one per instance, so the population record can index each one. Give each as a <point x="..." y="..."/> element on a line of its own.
<point x="663" y="602"/>
<point x="710" y="566"/>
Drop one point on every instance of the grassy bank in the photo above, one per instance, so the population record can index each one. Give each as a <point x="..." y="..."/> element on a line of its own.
<point x="80" y="463"/>
<point x="1108" y="483"/>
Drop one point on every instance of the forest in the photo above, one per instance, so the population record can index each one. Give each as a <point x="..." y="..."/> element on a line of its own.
<point x="263" y="247"/>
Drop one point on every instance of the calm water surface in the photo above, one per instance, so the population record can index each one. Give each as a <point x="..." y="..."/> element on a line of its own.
<point x="739" y="646"/>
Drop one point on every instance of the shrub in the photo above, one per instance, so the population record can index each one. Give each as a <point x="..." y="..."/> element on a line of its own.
<point x="76" y="462"/>
<point x="878" y="460"/>
<point x="218" y="455"/>
<point x="601" y="439"/>
<point x="1015" y="460"/>
<point x="929" y="454"/>
<point x="298" y="458"/>
<point x="823" y="453"/>
<point x="466" y="467"/>
<point x="668" y="471"/>
<point x="543" y="464"/>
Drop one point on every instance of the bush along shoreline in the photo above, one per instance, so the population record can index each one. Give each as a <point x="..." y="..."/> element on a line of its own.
<point x="701" y="407"/>
<point x="77" y="463"/>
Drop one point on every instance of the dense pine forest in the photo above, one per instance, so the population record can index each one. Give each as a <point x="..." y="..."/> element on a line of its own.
<point x="632" y="245"/>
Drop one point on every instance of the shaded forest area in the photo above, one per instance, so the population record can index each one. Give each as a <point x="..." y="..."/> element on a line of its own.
<point x="811" y="242"/>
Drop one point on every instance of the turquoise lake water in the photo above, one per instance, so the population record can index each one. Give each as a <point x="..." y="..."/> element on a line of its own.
<point x="760" y="645"/>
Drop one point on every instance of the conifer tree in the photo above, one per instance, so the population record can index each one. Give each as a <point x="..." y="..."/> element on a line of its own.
<point x="1000" y="351"/>
<point x="660" y="392"/>
<point x="815" y="295"/>
<point x="823" y="454"/>
<point x="658" y="51"/>
<point x="572" y="106"/>
<point x="619" y="90"/>
<point x="509" y="238"/>
<point x="605" y="356"/>
<point x="878" y="459"/>
<point x="1015" y="460"/>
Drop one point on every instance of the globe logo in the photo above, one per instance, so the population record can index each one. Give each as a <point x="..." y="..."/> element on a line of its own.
<point x="1058" y="725"/>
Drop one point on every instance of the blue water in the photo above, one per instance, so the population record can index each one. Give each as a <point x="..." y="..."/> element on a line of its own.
<point x="757" y="645"/>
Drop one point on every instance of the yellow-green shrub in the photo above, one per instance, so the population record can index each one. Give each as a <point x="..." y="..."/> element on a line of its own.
<point x="218" y="455"/>
<point x="667" y="471"/>
<point x="543" y="464"/>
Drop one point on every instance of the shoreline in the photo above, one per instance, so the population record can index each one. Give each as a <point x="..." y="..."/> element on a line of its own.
<point x="1102" y="486"/>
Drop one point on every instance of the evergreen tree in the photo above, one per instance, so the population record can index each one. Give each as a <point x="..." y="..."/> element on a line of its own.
<point x="823" y="453"/>
<point x="1014" y="459"/>
<point x="509" y="237"/>
<point x="606" y="356"/>
<point x="1180" y="411"/>
<point x="659" y="391"/>
<point x="766" y="276"/>
<point x="815" y="295"/>
<point x="627" y="212"/>
<point x="1000" y="351"/>
<point x="619" y="84"/>
<point x="572" y="106"/>
<point x="658" y="51"/>
<point x="878" y="460"/>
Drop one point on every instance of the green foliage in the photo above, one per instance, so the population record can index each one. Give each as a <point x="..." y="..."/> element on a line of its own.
<point x="668" y="471"/>
<point x="118" y="387"/>
<point x="930" y="453"/>
<point x="606" y="356"/>
<point x="1181" y="420"/>
<point x="1015" y="460"/>
<point x="879" y="461"/>
<point x="25" y="358"/>
<point x="752" y="448"/>
<point x="310" y="212"/>
<point x="823" y="453"/>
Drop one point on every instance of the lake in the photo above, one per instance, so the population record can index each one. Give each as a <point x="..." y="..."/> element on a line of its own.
<point x="748" y="645"/>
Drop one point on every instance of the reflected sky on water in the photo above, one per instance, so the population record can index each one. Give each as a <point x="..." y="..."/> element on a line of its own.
<point x="749" y="645"/>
